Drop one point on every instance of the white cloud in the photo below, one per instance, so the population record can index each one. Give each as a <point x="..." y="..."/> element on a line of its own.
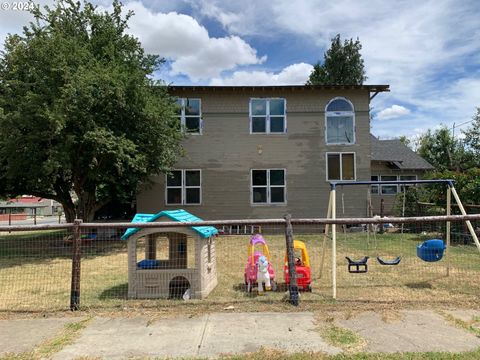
<point x="427" y="51"/>
<point x="295" y="74"/>
<point x="393" y="112"/>
<point x="182" y="39"/>
<point x="210" y="9"/>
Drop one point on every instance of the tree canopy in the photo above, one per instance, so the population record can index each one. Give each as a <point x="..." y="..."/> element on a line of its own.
<point x="342" y="65"/>
<point x="453" y="158"/>
<point x="443" y="151"/>
<point x="81" y="120"/>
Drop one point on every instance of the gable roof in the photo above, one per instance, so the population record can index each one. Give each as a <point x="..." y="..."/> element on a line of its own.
<point x="399" y="154"/>
<point x="175" y="215"/>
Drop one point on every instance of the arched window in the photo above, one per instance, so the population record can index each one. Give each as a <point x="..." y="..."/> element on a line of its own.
<point x="339" y="122"/>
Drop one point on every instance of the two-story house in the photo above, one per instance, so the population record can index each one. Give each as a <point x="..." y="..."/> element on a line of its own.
<point x="264" y="151"/>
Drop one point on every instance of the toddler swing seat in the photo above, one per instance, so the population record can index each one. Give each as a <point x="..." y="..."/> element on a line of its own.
<point x="357" y="267"/>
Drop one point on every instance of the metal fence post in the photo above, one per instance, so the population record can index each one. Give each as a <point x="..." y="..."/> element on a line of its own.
<point x="382" y="209"/>
<point x="76" y="263"/>
<point x="292" y="287"/>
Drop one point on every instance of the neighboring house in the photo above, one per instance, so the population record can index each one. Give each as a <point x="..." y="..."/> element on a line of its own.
<point x="264" y="151"/>
<point x="393" y="161"/>
<point x="30" y="205"/>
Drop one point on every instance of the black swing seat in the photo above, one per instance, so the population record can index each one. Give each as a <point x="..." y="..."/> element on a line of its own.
<point x="395" y="261"/>
<point x="357" y="267"/>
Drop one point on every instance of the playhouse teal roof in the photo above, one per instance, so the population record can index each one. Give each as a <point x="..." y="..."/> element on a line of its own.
<point x="175" y="215"/>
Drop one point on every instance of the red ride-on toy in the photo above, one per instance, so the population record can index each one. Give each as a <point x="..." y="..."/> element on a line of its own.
<point x="302" y="267"/>
<point x="251" y="268"/>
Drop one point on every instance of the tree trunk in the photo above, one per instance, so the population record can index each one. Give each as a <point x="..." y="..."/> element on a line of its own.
<point x="86" y="206"/>
<point x="70" y="214"/>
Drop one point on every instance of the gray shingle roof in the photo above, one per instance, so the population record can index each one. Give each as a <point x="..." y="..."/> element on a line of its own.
<point x="395" y="151"/>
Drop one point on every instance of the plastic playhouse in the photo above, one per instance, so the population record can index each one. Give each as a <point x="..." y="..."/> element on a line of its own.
<point x="257" y="248"/>
<point x="177" y="261"/>
<point x="302" y="267"/>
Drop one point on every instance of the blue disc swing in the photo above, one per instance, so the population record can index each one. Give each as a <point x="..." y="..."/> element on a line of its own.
<point x="431" y="250"/>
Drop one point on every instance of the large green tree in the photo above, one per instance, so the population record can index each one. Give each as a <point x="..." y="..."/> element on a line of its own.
<point x="444" y="152"/>
<point x="472" y="134"/>
<point x="342" y="65"/>
<point x="81" y="121"/>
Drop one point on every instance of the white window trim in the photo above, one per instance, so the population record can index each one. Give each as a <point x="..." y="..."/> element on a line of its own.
<point x="340" y="114"/>
<point x="184" y="188"/>
<point x="183" y="117"/>
<point x="341" y="167"/>
<point x="267" y="116"/>
<point x="268" y="186"/>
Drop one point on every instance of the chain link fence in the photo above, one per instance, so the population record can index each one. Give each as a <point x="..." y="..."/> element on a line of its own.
<point x="89" y="266"/>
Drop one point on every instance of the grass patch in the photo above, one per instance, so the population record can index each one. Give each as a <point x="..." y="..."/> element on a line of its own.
<point x="268" y="354"/>
<point x="471" y="326"/>
<point x="342" y="338"/>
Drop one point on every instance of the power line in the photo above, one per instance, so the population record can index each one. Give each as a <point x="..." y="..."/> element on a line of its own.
<point x="461" y="124"/>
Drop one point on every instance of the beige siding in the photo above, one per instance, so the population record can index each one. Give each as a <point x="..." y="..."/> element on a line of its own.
<point x="226" y="152"/>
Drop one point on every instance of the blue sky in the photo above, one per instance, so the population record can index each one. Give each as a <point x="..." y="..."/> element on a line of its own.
<point x="427" y="51"/>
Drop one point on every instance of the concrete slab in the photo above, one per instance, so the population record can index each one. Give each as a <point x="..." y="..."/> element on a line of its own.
<point x="206" y="336"/>
<point x="248" y="332"/>
<point x="120" y="338"/>
<point x="414" y="330"/>
<point x="18" y="336"/>
<point x="464" y="315"/>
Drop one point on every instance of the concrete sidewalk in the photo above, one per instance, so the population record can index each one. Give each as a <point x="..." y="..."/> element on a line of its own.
<point x="234" y="333"/>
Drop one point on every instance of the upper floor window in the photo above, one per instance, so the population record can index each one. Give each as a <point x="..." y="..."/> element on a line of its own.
<point x="189" y="111"/>
<point x="268" y="186"/>
<point x="268" y="116"/>
<point x="183" y="187"/>
<point x="340" y="166"/>
<point x="339" y="122"/>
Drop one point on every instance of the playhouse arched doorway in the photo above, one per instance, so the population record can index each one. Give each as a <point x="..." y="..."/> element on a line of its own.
<point x="177" y="287"/>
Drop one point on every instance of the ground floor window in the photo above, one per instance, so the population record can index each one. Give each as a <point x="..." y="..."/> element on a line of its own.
<point x="390" y="189"/>
<point x="340" y="166"/>
<point x="268" y="186"/>
<point x="183" y="187"/>
<point x="374" y="189"/>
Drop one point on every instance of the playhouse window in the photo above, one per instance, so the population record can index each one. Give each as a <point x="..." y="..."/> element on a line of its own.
<point x="162" y="251"/>
<point x="268" y="116"/>
<point x="340" y="166"/>
<point x="183" y="187"/>
<point x="268" y="186"/>
<point x="339" y="122"/>
<point x="189" y="111"/>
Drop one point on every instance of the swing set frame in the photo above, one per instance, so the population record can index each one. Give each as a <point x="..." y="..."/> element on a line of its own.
<point x="332" y="214"/>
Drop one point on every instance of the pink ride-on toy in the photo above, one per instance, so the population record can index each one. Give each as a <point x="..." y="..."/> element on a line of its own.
<point x="251" y="269"/>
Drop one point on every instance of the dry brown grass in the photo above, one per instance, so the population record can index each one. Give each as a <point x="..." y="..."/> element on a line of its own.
<point x="35" y="277"/>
